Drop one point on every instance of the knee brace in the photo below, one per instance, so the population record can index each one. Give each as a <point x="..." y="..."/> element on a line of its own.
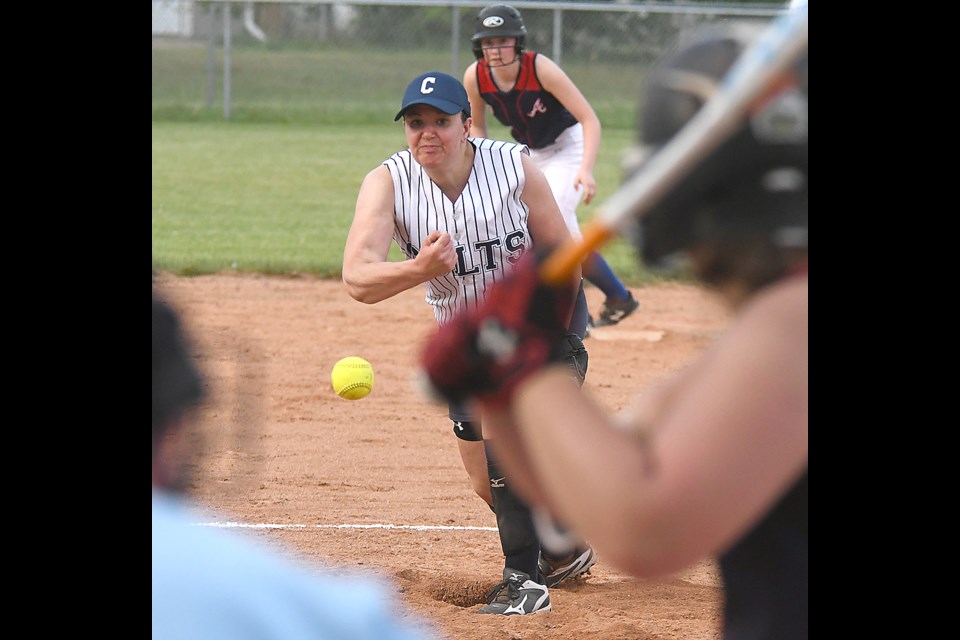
<point x="467" y="430"/>
<point x="463" y="426"/>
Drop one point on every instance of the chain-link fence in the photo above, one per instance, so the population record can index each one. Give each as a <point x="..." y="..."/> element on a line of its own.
<point x="348" y="61"/>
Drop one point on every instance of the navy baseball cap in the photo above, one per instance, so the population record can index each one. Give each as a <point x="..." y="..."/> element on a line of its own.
<point x="437" y="90"/>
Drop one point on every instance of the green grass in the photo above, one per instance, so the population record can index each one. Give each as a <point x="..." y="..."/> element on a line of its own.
<point x="319" y="85"/>
<point x="279" y="198"/>
<point x="258" y="197"/>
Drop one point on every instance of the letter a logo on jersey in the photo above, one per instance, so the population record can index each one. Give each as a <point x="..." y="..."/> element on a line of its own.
<point x="537" y="108"/>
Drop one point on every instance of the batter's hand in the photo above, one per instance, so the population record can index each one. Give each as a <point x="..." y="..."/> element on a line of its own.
<point x="485" y="352"/>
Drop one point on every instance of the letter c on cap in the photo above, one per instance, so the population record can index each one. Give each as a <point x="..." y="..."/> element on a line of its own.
<point x="423" y="85"/>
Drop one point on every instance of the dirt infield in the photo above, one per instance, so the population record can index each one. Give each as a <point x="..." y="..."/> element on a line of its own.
<point x="377" y="484"/>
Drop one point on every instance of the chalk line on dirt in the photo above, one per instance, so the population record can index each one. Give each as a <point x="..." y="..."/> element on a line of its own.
<point x="413" y="527"/>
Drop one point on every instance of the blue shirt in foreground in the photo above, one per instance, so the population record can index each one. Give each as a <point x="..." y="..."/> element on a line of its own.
<point x="213" y="584"/>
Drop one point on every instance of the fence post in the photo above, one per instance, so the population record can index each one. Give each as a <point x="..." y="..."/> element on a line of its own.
<point x="557" y="33"/>
<point x="226" y="60"/>
<point x="211" y="53"/>
<point x="455" y="43"/>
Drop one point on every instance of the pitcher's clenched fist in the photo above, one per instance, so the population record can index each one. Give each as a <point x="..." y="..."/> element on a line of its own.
<point x="437" y="255"/>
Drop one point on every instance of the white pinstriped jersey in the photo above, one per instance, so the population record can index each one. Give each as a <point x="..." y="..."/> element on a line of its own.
<point x="487" y="223"/>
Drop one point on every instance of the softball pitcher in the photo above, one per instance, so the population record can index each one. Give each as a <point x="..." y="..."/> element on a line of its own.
<point x="464" y="211"/>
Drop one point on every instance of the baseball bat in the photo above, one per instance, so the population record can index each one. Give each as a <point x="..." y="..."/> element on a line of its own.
<point x="759" y="71"/>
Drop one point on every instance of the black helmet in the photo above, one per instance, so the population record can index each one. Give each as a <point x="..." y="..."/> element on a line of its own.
<point x="498" y="20"/>
<point x="754" y="184"/>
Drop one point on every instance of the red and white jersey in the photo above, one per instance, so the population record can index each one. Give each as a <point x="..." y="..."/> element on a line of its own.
<point x="535" y="117"/>
<point x="487" y="223"/>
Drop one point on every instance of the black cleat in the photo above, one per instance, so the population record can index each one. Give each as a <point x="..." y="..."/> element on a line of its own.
<point x="556" y="571"/>
<point x="614" y="312"/>
<point x="517" y="595"/>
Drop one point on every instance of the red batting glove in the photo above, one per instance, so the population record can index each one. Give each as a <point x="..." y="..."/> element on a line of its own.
<point x="485" y="352"/>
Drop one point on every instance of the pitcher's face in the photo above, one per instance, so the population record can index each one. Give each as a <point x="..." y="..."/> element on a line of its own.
<point x="434" y="136"/>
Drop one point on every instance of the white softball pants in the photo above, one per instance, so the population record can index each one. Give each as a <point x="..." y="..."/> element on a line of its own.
<point x="560" y="162"/>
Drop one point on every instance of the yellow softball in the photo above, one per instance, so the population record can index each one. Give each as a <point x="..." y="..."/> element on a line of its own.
<point x="352" y="378"/>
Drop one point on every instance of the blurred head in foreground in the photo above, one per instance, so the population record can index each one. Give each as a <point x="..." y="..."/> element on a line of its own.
<point x="739" y="220"/>
<point x="177" y="393"/>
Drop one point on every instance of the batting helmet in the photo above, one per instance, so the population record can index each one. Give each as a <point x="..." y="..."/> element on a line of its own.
<point x="754" y="184"/>
<point x="498" y="21"/>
